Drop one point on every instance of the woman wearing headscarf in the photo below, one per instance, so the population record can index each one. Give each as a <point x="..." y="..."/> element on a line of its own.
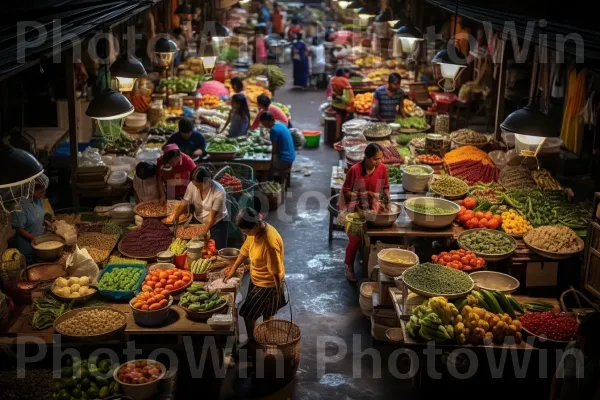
<point x="300" y="55"/>
<point x="342" y="99"/>
<point x="29" y="221"/>
<point x="174" y="172"/>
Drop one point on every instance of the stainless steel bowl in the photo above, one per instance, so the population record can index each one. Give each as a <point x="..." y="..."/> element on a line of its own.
<point x="47" y="255"/>
<point x="384" y="220"/>
<point x="229" y="253"/>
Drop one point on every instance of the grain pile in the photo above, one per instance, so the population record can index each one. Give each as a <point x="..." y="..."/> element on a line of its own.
<point x="91" y="322"/>
<point x="147" y="241"/>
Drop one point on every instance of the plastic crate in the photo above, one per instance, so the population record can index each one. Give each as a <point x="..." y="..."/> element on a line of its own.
<point x="122" y="294"/>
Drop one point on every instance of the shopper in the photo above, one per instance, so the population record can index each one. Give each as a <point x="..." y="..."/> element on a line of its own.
<point x="282" y="142"/>
<point x="188" y="140"/>
<point x="387" y="100"/>
<point x="264" y="246"/>
<point x="260" y="44"/>
<point x="300" y="55"/>
<point x="145" y="186"/>
<point x="364" y="184"/>
<point x="264" y="104"/>
<point x="342" y="99"/>
<point x="174" y="172"/>
<point x="29" y="221"/>
<point x="210" y="205"/>
<point x="239" y="116"/>
<point x="237" y="85"/>
<point x="317" y="62"/>
<point x="581" y="357"/>
<point x="264" y="15"/>
<point x="278" y="20"/>
<point x="295" y="29"/>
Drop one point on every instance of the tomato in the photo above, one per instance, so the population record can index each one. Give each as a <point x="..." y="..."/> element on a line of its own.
<point x="443" y="253"/>
<point x="470" y="203"/>
<point x="158" y="285"/>
<point x="179" y="274"/>
<point x="473" y="263"/>
<point x="178" y="284"/>
<point x="146" y="288"/>
<point x="145" y="307"/>
<point x="493" y="224"/>
<point x="479" y="215"/>
<point x="447" y="258"/>
<point x="170" y="281"/>
<point x="163" y="275"/>
<point x="163" y="303"/>
<point x="165" y="293"/>
<point x="155" y="278"/>
<point x="480" y="262"/>
<point x="170" y="288"/>
<point x="186" y="278"/>
<point x="488" y="215"/>
<point x="467" y="268"/>
<point x="434" y="258"/>
<point x="464" y="260"/>
<point x="455" y="257"/>
<point x="442" y="262"/>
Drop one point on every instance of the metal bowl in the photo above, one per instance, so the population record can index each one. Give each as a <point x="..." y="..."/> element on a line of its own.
<point x="151" y="317"/>
<point x="550" y="254"/>
<point x="485" y="256"/>
<point x="229" y="253"/>
<point x="383" y="220"/>
<point x="490" y="280"/>
<point x="431" y="220"/>
<point x="48" y="255"/>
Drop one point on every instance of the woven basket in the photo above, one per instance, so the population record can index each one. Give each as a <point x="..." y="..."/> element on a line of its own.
<point x="11" y="270"/>
<point x="366" y="297"/>
<point x="278" y="337"/>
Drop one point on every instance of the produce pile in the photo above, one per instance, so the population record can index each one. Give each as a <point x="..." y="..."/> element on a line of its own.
<point x="148" y="240"/>
<point x="197" y="299"/>
<point x="159" y="280"/>
<point x="98" y="245"/>
<point x="544" y="180"/>
<point x="546" y="207"/>
<point x="404" y="151"/>
<point x="553" y="325"/>
<point x="170" y="219"/>
<point x="516" y="178"/>
<point x="377" y="130"/>
<point x="471" y="219"/>
<point x="252" y="144"/>
<point x="392" y="156"/>
<point x="189" y="232"/>
<point x="121" y="279"/>
<point x="462" y="260"/>
<point x="277" y="77"/>
<point x="201" y="266"/>
<point x="486" y="192"/>
<point x="178" y="246"/>
<point x="363" y="103"/>
<point x="394" y="175"/>
<point x="91" y="322"/>
<point x="429" y="159"/>
<point x="283" y="107"/>
<point x="221" y="147"/>
<point x="514" y="223"/>
<point x="46" y="310"/>
<point x="411" y="108"/>
<point x="90" y="378"/>
<point x="437" y="279"/>
<point x="417" y="123"/>
<point x="468" y="136"/>
<point x="555" y="239"/>
<point x="418" y="170"/>
<point x="427" y="209"/>
<point x="487" y="241"/>
<point x="404" y="138"/>
<point x="123" y="260"/>
<point x="232" y="182"/>
<point x="270" y="187"/>
<point x="149" y="301"/>
<point x="492" y="301"/>
<point x="139" y="372"/>
<point x="210" y="101"/>
<point x="449" y="186"/>
<point x="73" y="287"/>
<point x="433" y="320"/>
<point x="471" y="164"/>
<point x="178" y="84"/>
<point x="153" y="209"/>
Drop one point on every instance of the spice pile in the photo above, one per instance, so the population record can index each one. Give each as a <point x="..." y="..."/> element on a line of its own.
<point x="437" y="279"/>
<point x="98" y="245"/>
<point x="91" y="322"/>
<point x="392" y="156"/>
<point x="487" y="242"/>
<point x="471" y="164"/>
<point x="449" y="186"/>
<point x="553" y="325"/>
<point x="154" y="209"/>
<point x="147" y="241"/>
<point x="556" y="239"/>
<point x="516" y="178"/>
<point x="468" y="136"/>
<point x="189" y="232"/>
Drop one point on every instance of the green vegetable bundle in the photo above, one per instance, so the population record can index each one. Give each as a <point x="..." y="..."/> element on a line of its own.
<point x="412" y="123"/>
<point x="404" y="138"/>
<point x="275" y="74"/>
<point x="394" y="175"/>
<point x="221" y="147"/>
<point x="199" y="300"/>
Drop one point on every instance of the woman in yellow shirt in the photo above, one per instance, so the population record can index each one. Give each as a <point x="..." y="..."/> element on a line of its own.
<point x="264" y="247"/>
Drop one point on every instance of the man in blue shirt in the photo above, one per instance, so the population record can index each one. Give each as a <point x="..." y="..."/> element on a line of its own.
<point x="284" y="152"/>
<point x="264" y="15"/>
<point x="189" y="141"/>
<point x="388" y="100"/>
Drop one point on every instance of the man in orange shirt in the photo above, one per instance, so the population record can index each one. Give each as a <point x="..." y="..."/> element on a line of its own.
<point x="264" y="104"/>
<point x="278" y="19"/>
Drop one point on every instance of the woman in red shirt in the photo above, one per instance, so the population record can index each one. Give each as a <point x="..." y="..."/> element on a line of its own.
<point x="363" y="186"/>
<point x="174" y="172"/>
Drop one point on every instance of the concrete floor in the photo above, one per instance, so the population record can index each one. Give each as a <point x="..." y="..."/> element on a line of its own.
<point x="323" y="302"/>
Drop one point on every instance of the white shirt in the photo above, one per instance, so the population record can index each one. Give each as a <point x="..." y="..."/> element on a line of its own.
<point x="146" y="189"/>
<point x="318" y="59"/>
<point x="215" y="200"/>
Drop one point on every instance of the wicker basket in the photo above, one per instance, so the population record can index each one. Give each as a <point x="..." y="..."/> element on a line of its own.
<point x="366" y="297"/>
<point x="278" y="337"/>
<point x="11" y="270"/>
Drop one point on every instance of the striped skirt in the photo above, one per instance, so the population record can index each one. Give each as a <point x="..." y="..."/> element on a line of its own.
<point x="263" y="302"/>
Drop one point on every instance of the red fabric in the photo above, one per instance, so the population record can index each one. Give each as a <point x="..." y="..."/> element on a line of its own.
<point x="261" y="49"/>
<point x="277" y="114"/>
<point x="178" y="178"/>
<point x="357" y="182"/>
<point x="352" y="250"/>
<point x="278" y="22"/>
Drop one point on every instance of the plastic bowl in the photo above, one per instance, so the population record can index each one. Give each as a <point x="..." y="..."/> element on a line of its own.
<point x="313" y="138"/>
<point x="141" y="391"/>
<point x="416" y="183"/>
<point x="394" y="269"/>
<point x="151" y="317"/>
<point x="431" y="220"/>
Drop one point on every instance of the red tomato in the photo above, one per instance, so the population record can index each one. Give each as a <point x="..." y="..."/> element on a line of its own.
<point x="158" y="285"/>
<point x="479" y="215"/>
<point x="443" y="253"/>
<point x="473" y="263"/>
<point x="170" y="281"/>
<point x="470" y="203"/>
<point x="456" y="257"/>
<point x="186" y="278"/>
<point x="493" y="224"/>
<point x="483" y="223"/>
<point x="464" y="260"/>
<point x="480" y="262"/>
<point x="442" y="262"/>
<point x="488" y="215"/>
<point x="170" y="288"/>
<point x="467" y="268"/>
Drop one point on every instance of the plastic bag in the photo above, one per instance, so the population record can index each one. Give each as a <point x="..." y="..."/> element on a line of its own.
<point x="66" y="231"/>
<point x="80" y="263"/>
<point x="90" y="157"/>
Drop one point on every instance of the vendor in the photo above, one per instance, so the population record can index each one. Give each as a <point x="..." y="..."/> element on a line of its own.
<point x="342" y="98"/>
<point x="239" y="116"/>
<point x="145" y="185"/>
<point x="387" y="100"/>
<point x="210" y="208"/>
<point x="29" y="221"/>
<point x="174" y="172"/>
<point x="264" y="104"/>
<point x="189" y="141"/>
<point x="264" y="247"/>
<point x="237" y="85"/>
<point x="284" y="152"/>
<point x="364" y="184"/>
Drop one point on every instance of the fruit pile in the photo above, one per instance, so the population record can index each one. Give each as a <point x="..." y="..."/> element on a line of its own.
<point x="178" y="246"/>
<point x="429" y="159"/>
<point x="201" y="266"/>
<point x="232" y="182"/>
<point x="151" y="301"/>
<point x="492" y="301"/>
<point x="475" y="325"/>
<point x="90" y="378"/>
<point x="139" y="372"/>
<point x="159" y="280"/>
<point x="210" y="101"/>
<point x="433" y="320"/>
<point x="471" y="219"/>
<point x="462" y="260"/>
<point x="553" y="325"/>
<point x="210" y="250"/>
<point x="363" y="103"/>
<point x="514" y="223"/>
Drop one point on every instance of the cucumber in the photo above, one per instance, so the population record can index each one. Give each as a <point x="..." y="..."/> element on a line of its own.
<point x="482" y="303"/>
<point x="492" y="302"/>
<point x="460" y="303"/>
<point x="516" y="305"/>
<point x="504" y="304"/>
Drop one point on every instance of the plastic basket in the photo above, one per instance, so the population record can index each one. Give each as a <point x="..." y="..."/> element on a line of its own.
<point x="313" y="138"/>
<point x="122" y="294"/>
<point x="443" y="100"/>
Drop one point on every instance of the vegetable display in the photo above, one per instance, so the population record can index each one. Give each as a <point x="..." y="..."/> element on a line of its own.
<point x="159" y="280"/>
<point x="391" y="155"/>
<point x="147" y="241"/>
<point x="477" y="326"/>
<point x="199" y="300"/>
<point x="462" y="260"/>
<point x="404" y="138"/>
<point x="201" y="266"/>
<point x="488" y="192"/>
<point x="178" y="246"/>
<point x="471" y="164"/>
<point x="189" y="232"/>
<point x="151" y="301"/>
<point x="493" y="301"/>
<point x="210" y="101"/>
<point x="437" y="279"/>
<point x="417" y="170"/>
<point x="429" y="209"/>
<point x="429" y="159"/>
<point x="153" y="209"/>
<point x="449" y="186"/>
<point x="553" y="325"/>
<point x="178" y="84"/>
<point x="433" y="320"/>
<point x="471" y="219"/>
<point x="277" y="77"/>
<point x="418" y="123"/>
<point x="72" y="287"/>
<point x="270" y="187"/>
<point x="46" y="310"/>
<point x="514" y="223"/>
<point x="221" y="147"/>
<point x="468" y="136"/>
<point x="363" y="103"/>
<point x="544" y="180"/>
<point x="516" y="178"/>
<point x="555" y="239"/>
<point x="394" y="175"/>
<point x="232" y="182"/>
<point x="486" y="241"/>
<point x="120" y="279"/>
<point x="91" y="322"/>
<point x="139" y="372"/>
<point x="90" y="378"/>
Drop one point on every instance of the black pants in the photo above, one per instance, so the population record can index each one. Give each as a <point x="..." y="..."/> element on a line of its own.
<point x="219" y="232"/>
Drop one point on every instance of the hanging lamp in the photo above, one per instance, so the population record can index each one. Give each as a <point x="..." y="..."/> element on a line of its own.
<point x="367" y="11"/>
<point x="409" y="36"/>
<point x="184" y="11"/>
<point x="343" y="4"/>
<point x="209" y="58"/>
<point x="165" y="50"/>
<point x="18" y="170"/>
<point x="126" y="70"/>
<point x="451" y="65"/>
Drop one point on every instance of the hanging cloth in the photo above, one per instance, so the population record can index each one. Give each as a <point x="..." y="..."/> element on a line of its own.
<point x="558" y="81"/>
<point x="572" y="125"/>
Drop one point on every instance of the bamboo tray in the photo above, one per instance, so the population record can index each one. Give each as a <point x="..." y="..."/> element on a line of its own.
<point x="169" y="208"/>
<point x="85" y="240"/>
<point x="91" y="338"/>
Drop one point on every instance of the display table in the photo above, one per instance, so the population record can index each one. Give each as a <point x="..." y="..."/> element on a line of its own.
<point x="260" y="163"/>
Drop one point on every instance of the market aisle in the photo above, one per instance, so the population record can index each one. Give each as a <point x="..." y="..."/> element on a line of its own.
<point x="324" y="303"/>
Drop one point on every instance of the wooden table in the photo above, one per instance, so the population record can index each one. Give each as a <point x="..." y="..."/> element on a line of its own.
<point x="260" y="163"/>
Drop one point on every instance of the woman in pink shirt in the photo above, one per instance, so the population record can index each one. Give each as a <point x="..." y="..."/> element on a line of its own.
<point x="260" y="44"/>
<point x="264" y="104"/>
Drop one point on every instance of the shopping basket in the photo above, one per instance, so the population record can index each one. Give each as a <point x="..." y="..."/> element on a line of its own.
<point x="443" y="101"/>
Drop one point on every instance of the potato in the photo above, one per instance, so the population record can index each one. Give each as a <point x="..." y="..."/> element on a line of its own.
<point x="61" y="282"/>
<point x="84" y="281"/>
<point x="73" y="281"/>
<point x="75" y="288"/>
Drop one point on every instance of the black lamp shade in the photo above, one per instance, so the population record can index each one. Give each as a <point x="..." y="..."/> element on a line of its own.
<point x="109" y="104"/>
<point x="128" y="67"/>
<point x="209" y="50"/>
<point x="398" y="25"/>
<point x="183" y="9"/>
<point x="384" y="16"/>
<point x="444" y="57"/>
<point x="530" y="121"/>
<point x="221" y="31"/>
<point x="354" y="5"/>
<point x="409" y="31"/>
<point x="17" y="166"/>
<point x="164" y="45"/>
<point x="368" y="9"/>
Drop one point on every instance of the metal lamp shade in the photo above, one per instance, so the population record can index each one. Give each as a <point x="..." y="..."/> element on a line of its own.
<point x="164" y="45"/>
<point x="450" y="65"/>
<point x="209" y="56"/>
<point x="184" y="11"/>
<point x="409" y="36"/>
<point x="343" y="4"/>
<point x="529" y="121"/>
<point x="354" y="5"/>
<point x="221" y="31"/>
<point x="109" y="104"/>
<point x="127" y="70"/>
<point x="17" y="166"/>
<point x="368" y="11"/>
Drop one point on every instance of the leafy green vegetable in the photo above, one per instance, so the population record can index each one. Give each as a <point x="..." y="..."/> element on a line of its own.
<point x="412" y="123"/>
